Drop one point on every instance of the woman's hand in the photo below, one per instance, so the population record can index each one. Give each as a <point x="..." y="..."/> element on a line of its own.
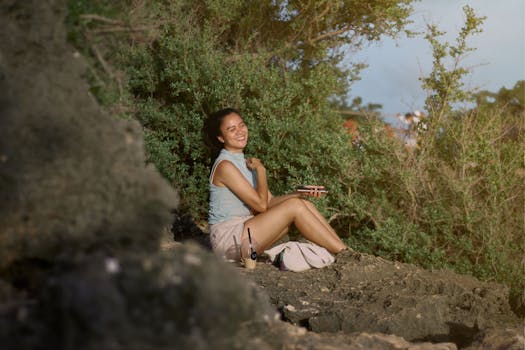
<point x="254" y="164"/>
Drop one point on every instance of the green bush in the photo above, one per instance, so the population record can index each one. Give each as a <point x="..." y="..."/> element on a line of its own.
<point x="455" y="201"/>
<point x="181" y="78"/>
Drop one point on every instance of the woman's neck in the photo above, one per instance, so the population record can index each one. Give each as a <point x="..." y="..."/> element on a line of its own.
<point x="233" y="150"/>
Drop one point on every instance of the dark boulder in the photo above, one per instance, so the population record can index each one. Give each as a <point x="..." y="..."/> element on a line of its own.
<point x="139" y="301"/>
<point x="71" y="177"/>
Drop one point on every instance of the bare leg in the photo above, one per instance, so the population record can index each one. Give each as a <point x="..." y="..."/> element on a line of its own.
<point x="322" y="219"/>
<point x="279" y="199"/>
<point x="269" y="226"/>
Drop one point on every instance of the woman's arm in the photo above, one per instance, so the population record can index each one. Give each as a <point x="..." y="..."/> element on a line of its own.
<point x="227" y="175"/>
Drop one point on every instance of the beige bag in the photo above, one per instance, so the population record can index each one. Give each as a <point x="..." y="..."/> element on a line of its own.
<point x="298" y="256"/>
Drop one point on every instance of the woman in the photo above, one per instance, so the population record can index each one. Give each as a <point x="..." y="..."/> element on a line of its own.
<point x="242" y="209"/>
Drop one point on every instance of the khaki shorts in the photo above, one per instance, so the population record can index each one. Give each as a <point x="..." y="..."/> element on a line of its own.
<point x="225" y="237"/>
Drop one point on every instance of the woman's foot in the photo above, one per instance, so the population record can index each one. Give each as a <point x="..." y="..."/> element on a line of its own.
<point x="346" y="253"/>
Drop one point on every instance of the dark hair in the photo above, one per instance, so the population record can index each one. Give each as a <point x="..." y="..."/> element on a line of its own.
<point x="212" y="129"/>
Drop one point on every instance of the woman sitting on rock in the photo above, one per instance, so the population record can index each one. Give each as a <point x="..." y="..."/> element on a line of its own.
<point x="244" y="217"/>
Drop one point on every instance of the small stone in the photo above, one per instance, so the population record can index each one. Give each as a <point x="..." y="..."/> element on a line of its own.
<point x="191" y="259"/>
<point x="112" y="265"/>
<point x="290" y="308"/>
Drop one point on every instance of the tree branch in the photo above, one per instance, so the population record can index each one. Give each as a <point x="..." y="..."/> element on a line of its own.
<point x="330" y="34"/>
<point x="101" y="19"/>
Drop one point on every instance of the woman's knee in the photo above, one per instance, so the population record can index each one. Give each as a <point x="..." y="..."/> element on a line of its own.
<point x="298" y="205"/>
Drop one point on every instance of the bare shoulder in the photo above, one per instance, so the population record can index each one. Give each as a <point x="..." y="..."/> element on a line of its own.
<point x="225" y="166"/>
<point x="225" y="171"/>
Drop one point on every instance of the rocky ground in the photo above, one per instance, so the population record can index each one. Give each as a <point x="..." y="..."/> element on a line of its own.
<point x="83" y="264"/>
<point x="361" y="293"/>
<point x="364" y="293"/>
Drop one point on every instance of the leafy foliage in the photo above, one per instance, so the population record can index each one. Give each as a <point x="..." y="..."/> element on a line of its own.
<point x="444" y="83"/>
<point x="470" y="170"/>
<point x="455" y="201"/>
<point x="264" y="60"/>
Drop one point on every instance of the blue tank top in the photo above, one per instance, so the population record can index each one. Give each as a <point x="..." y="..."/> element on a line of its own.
<point x="224" y="204"/>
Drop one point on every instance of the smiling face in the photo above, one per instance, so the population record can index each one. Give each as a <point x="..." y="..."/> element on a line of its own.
<point x="234" y="133"/>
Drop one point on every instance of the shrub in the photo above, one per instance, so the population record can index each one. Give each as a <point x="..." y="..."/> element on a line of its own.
<point x="181" y="79"/>
<point x="455" y="201"/>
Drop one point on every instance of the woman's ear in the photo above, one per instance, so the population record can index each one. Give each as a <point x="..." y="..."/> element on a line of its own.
<point x="221" y="139"/>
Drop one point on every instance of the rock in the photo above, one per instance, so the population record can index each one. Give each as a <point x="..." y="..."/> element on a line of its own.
<point x="370" y="294"/>
<point x="499" y="338"/>
<point x="184" y="228"/>
<point x="72" y="178"/>
<point x="178" y="300"/>
<point x="297" y="338"/>
<point x="163" y="301"/>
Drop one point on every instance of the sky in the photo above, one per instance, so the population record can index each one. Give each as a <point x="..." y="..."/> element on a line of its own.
<point x="395" y="65"/>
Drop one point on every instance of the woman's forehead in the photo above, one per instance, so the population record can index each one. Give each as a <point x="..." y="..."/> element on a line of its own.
<point x="231" y="119"/>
